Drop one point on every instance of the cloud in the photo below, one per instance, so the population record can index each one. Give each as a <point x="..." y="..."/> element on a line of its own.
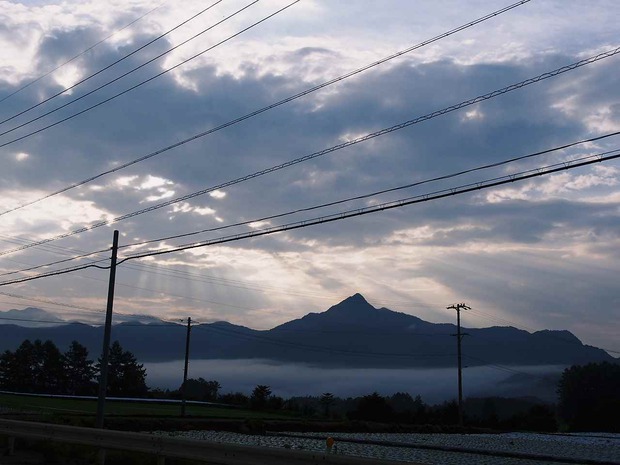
<point x="513" y="250"/>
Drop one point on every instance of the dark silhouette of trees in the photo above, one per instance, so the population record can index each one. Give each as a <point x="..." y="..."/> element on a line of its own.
<point x="589" y="399"/>
<point x="407" y="409"/>
<point x="373" y="407"/>
<point x="34" y="368"/>
<point x="446" y="413"/>
<point x="49" y="368"/>
<point x="235" y="398"/>
<point x="41" y="368"/>
<point x="17" y="368"/>
<point x="260" y="396"/>
<point x="327" y="399"/>
<point x="201" y="389"/>
<point x="539" y="417"/>
<point x="126" y="377"/>
<point x="79" y="371"/>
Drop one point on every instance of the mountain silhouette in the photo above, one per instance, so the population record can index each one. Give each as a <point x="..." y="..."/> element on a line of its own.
<point x="352" y="333"/>
<point x="30" y="317"/>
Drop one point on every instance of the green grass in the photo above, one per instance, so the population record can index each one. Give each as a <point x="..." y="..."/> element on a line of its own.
<point x="88" y="407"/>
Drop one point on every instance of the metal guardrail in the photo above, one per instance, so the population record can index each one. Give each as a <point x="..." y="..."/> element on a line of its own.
<point x="136" y="400"/>
<point x="162" y="447"/>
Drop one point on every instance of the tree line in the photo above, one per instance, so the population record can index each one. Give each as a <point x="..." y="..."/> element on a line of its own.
<point x="587" y="395"/>
<point x="588" y="400"/>
<point x="41" y="368"/>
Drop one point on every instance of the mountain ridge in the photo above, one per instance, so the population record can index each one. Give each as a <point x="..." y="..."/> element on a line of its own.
<point x="351" y="333"/>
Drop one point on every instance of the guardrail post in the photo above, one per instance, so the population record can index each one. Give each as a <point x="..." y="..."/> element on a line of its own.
<point x="11" y="446"/>
<point x="161" y="460"/>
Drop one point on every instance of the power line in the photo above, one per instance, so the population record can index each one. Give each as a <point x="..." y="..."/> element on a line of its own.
<point x="35" y="267"/>
<point x="274" y="105"/>
<point x="179" y="296"/>
<point x="482" y="314"/>
<point x="442" y="177"/>
<point x="81" y="53"/>
<point x="152" y="77"/>
<point x="476" y="311"/>
<point x="124" y="57"/>
<point x="138" y="287"/>
<point x="29" y="320"/>
<point x="358" y="212"/>
<point x="48" y="301"/>
<point x="122" y="75"/>
<point x="335" y="148"/>
<point x="389" y="205"/>
<point x="49" y="248"/>
<point x="184" y="274"/>
<point x="384" y="191"/>
<point x="53" y="273"/>
<point x="505" y="368"/>
<point x="72" y="321"/>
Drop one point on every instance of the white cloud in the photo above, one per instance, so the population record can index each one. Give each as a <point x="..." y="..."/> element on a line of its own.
<point x="473" y="115"/>
<point x="126" y="181"/>
<point x="152" y="182"/>
<point x="217" y="194"/>
<point x="67" y="76"/>
<point x="163" y="194"/>
<point x="204" y="211"/>
<point x="59" y="214"/>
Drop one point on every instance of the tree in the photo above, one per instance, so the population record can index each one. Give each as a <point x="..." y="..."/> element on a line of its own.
<point x="259" y="397"/>
<point x="49" y="370"/>
<point x="589" y="398"/>
<point x="327" y="399"/>
<point x="374" y="408"/>
<point x="235" y="398"/>
<point x="8" y="371"/>
<point x="126" y="377"/>
<point x="21" y="363"/>
<point x="79" y="370"/>
<point x="33" y="367"/>
<point x="201" y="389"/>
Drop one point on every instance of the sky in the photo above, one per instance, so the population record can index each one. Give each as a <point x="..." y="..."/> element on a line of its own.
<point x="536" y="254"/>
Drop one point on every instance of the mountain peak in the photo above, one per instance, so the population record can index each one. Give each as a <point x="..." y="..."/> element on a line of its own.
<point x="352" y="305"/>
<point x="357" y="297"/>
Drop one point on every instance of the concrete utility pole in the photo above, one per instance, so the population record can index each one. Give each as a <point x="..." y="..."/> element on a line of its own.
<point x="183" y="393"/>
<point x="103" y="377"/>
<point x="459" y="337"/>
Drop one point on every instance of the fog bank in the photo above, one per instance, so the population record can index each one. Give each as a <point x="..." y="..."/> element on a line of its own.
<point x="287" y="380"/>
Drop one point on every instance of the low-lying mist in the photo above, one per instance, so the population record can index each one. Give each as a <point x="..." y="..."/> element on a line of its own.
<point x="287" y="380"/>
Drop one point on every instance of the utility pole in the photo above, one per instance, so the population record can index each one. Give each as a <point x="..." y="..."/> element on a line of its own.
<point x="459" y="337"/>
<point x="103" y="377"/>
<point x="183" y="393"/>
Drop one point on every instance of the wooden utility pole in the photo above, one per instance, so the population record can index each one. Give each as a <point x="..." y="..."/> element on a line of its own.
<point x="459" y="337"/>
<point x="183" y="392"/>
<point x="103" y="377"/>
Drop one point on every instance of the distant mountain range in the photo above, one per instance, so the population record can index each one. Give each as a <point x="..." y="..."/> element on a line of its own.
<point x="352" y="333"/>
<point x="30" y="317"/>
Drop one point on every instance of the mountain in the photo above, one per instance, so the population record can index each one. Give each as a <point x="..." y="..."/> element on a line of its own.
<point x="352" y="333"/>
<point x="30" y="317"/>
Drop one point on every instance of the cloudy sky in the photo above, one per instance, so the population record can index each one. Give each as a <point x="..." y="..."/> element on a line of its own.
<point x="542" y="253"/>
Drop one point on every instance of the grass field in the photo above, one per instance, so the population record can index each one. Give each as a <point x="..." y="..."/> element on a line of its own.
<point x="88" y="407"/>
